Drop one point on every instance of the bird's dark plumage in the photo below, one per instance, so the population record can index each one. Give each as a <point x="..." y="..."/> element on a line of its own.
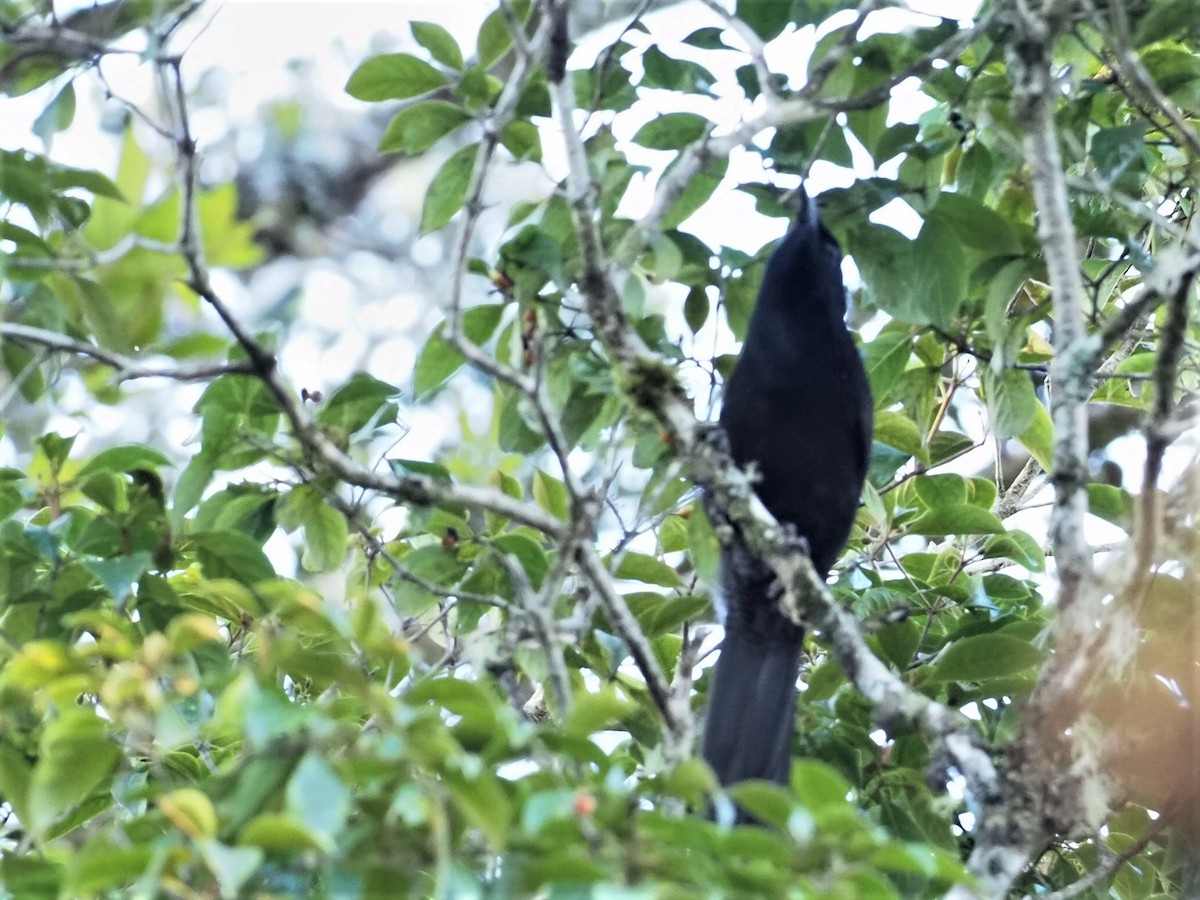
<point x="797" y="407"/>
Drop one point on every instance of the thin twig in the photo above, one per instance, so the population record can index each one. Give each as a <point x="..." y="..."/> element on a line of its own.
<point x="126" y="367"/>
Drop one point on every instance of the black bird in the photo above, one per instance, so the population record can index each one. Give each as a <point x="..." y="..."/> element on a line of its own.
<point x="798" y="408"/>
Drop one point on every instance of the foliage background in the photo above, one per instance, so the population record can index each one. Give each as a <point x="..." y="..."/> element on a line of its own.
<point x="310" y="651"/>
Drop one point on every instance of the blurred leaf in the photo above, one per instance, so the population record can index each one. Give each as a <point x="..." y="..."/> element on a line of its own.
<point x="272" y="831"/>
<point x="594" y="712"/>
<point x="317" y="797"/>
<point x="120" y="575"/>
<point x="190" y="811"/>
<point x="326" y="535"/>
<point x="433" y="564"/>
<point x="232" y="866"/>
<point x="435" y="471"/>
<point x="124" y="458"/>
<point x="58" y="114"/>
<point x="228" y="555"/>
<point x="75" y="756"/>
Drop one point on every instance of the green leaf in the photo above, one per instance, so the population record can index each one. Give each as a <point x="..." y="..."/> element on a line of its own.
<point x="238" y="416"/>
<point x="317" y="797"/>
<point x="224" y="554"/>
<point x="981" y="228"/>
<point x="595" y="712"/>
<point x="885" y="359"/>
<point x="363" y="400"/>
<point x="647" y="569"/>
<point x="448" y="189"/>
<point x="436" y="471"/>
<point x="1038" y="437"/>
<point x="551" y="495"/>
<point x="393" y="76"/>
<point x="1120" y="154"/>
<point x="672" y="131"/>
<point x="120" y="575"/>
<point x="470" y="701"/>
<point x="940" y="490"/>
<point x="103" y="866"/>
<point x="660" y="615"/>
<point x="899" y="431"/>
<point x="819" y="785"/>
<point x="523" y="140"/>
<point x="528" y="552"/>
<point x="695" y="308"/>
<point x="1164" y="18"/>
<point x="959" y="518"/>
<point x="1018" y="546"/>
<point x="125" y="458"/>
<point x="921" y="282"/>
<point x="28" y="875"/>
<point x="948" y="444"/>
<point x="418" y="127"/>
<point x="938" y="273"/>
<point x="232" y="866"/>
<point x="326" y="534"/>
<point x="1011" y="401"/>
<point x="227" y="240"/>
<point x="433" y="564"/>
<point x="58" y="114"/>
<point x="75" y="756"/>
<point x="767" y="17"/>
<point x="703" y="546"/>
<point x="439" y="42"/>
<point x="986" y="656"/>
<point x="438" y="360"/>
<point x="1110" y="503"/>
<point x="669" y="73"/>
<point x="494" y="37"/>
<point x="767" y="802"/>
<point x="699" y="189"/>
<point x="190" y="487"/>
<point x="273" y="831"/>
<point x="673" y="534"/>
<point x="56" y="449"/>
<point x="899" y="642"/>
<point x="484" y="804"/>
<point x="15" y="769"/>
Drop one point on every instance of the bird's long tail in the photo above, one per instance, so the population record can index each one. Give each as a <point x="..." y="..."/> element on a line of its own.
<point x="751" y="705"/>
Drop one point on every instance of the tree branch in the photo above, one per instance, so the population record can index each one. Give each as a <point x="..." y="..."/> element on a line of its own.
<point x="127" y="368"/>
